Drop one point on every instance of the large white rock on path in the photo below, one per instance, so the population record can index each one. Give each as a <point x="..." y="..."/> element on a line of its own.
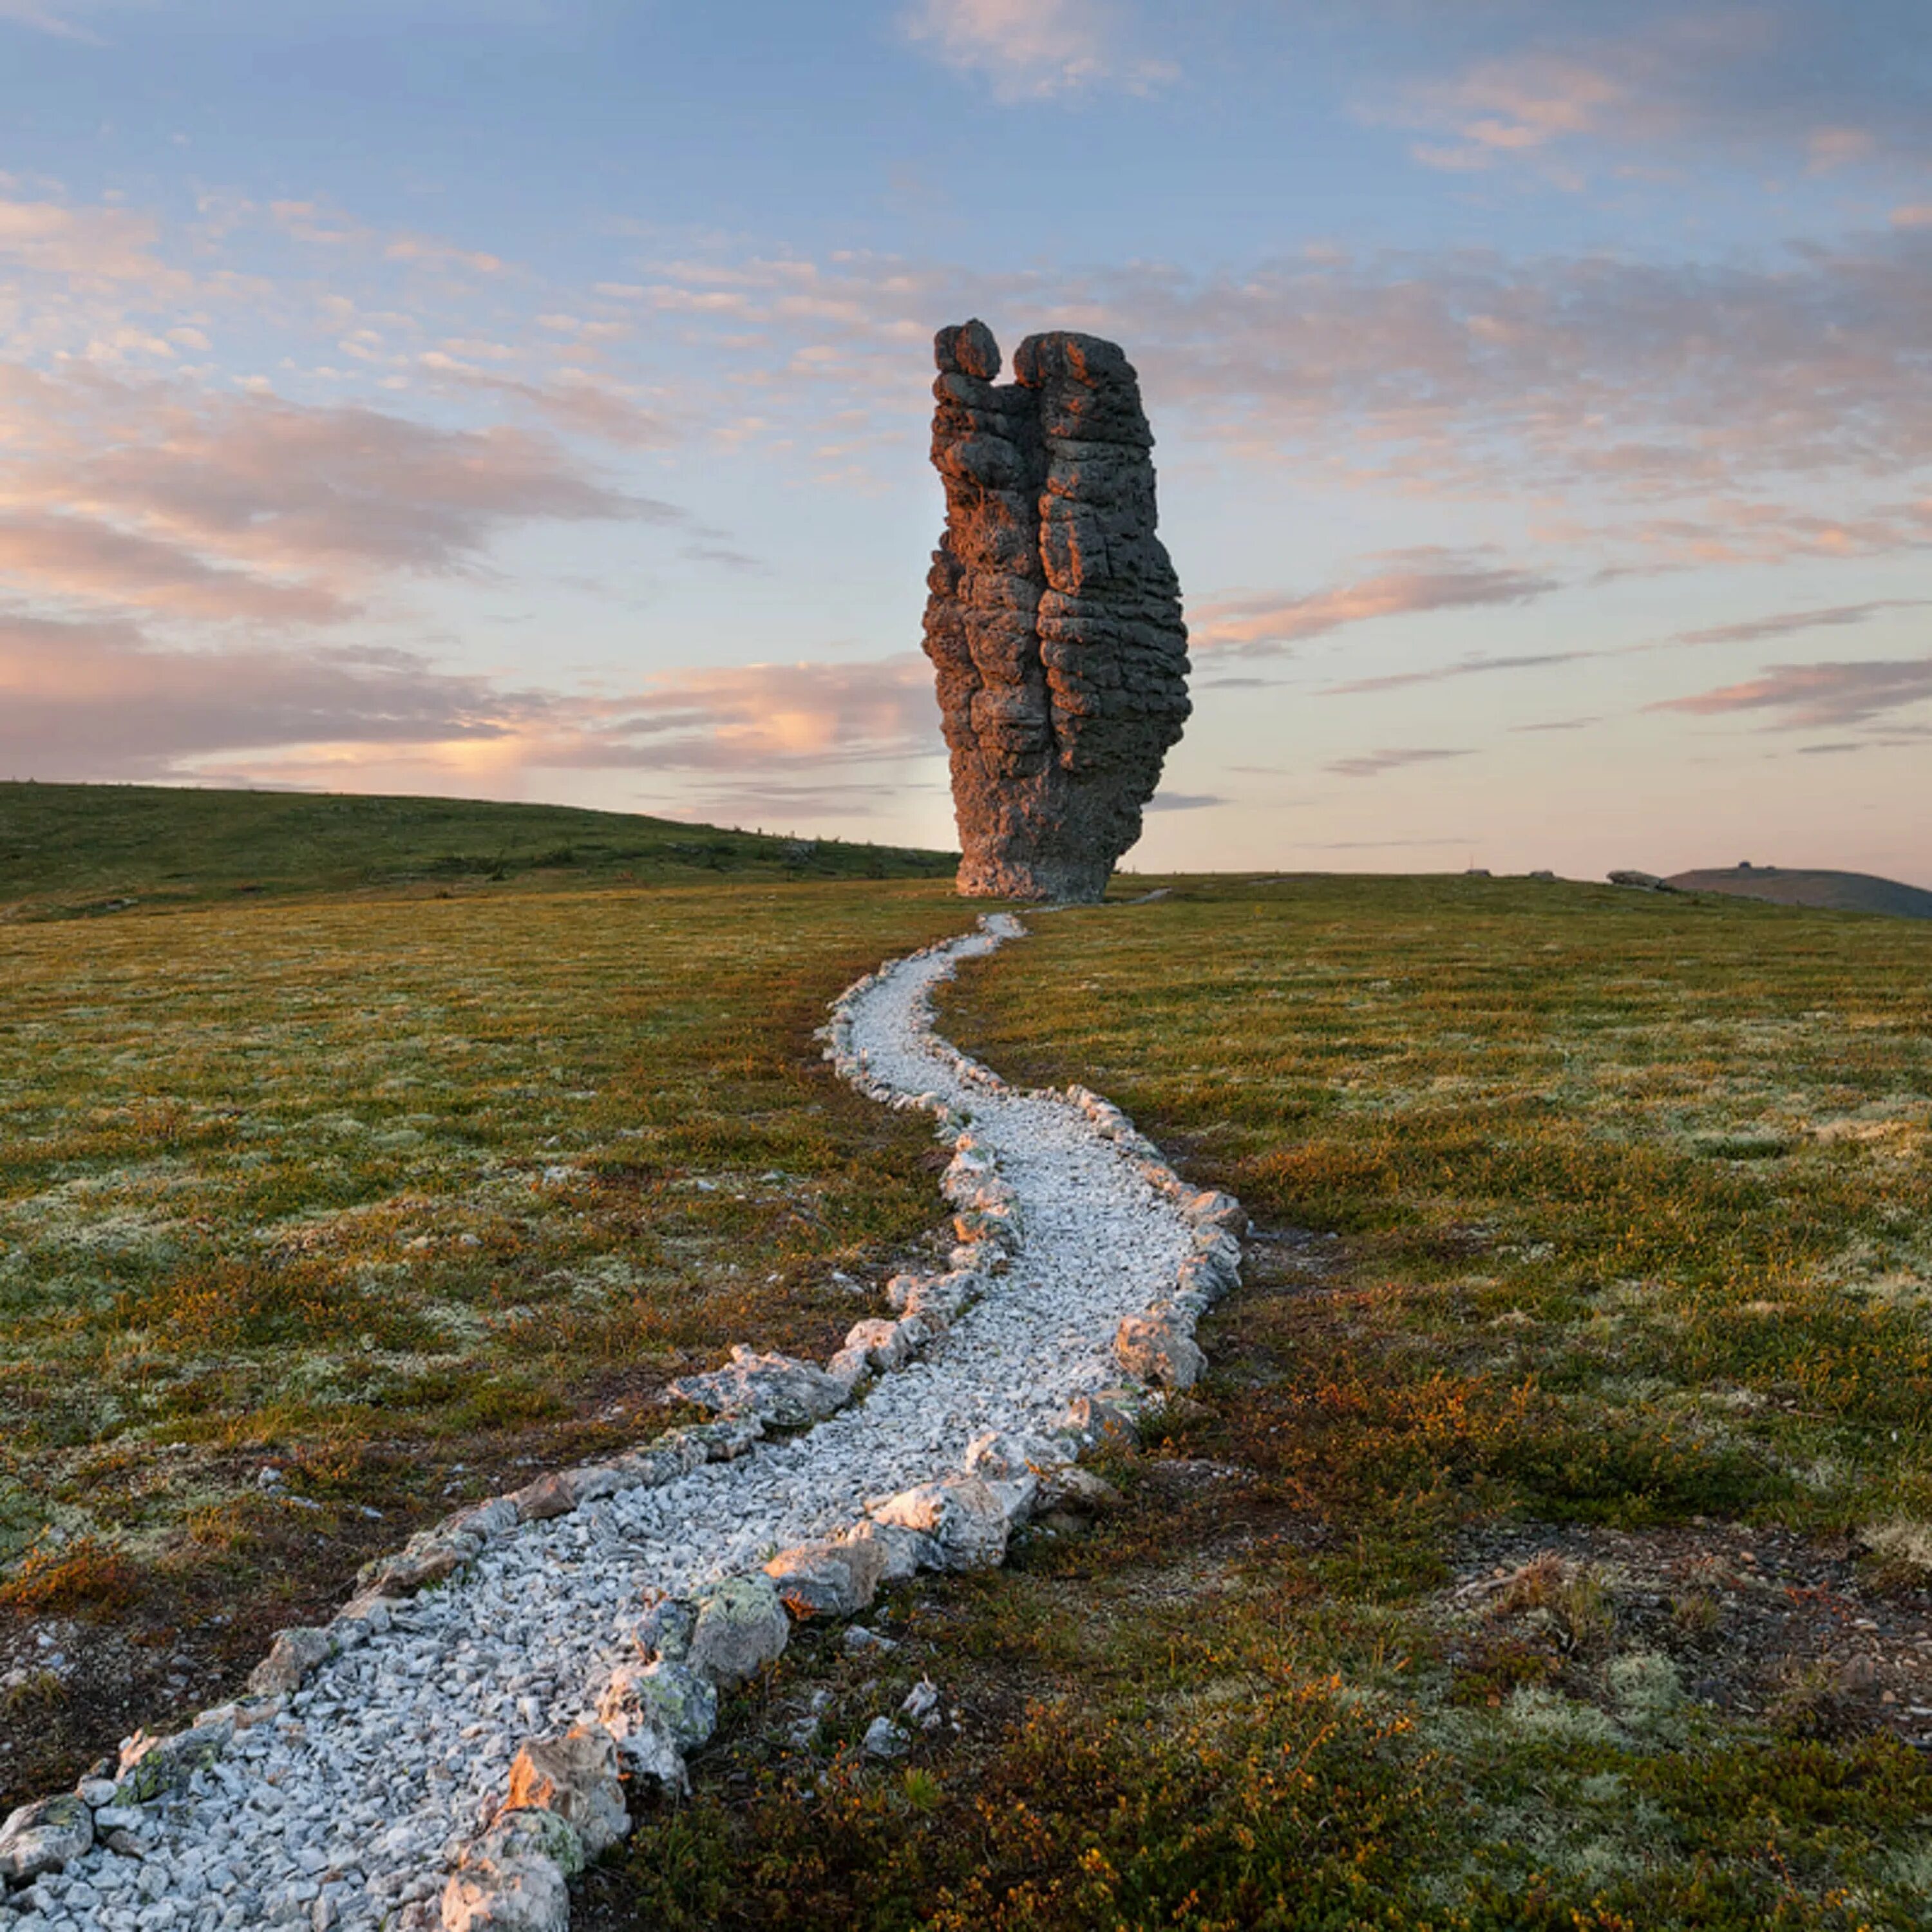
<point x="506" y="1893"/>
<point x="827" y="1579"/>
<point x="574" y="1776"/>
<point x="45" y="1837"/>
<point x="963" y="1516"/>
<point x="742" y="1627"/>
<point x="670" y="1697"/>
<point x="778" y="1388"/>
<point x="1157" y="1350"/>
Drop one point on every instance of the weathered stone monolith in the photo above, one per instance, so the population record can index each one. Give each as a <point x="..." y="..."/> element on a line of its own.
<point x="1054" y="617"/>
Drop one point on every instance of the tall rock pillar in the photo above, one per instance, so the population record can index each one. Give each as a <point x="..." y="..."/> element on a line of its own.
<point x="1053" y="621"/>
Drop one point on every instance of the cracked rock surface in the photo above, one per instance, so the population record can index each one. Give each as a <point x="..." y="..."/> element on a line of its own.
<point x="1054" y="620"/>
<point x="345" y="1803"/>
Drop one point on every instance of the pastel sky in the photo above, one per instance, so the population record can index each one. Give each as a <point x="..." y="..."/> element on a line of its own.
<point x="528" y="399"/>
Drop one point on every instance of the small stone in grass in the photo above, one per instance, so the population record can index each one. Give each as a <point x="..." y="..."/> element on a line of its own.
<point x="884" y="1739"/>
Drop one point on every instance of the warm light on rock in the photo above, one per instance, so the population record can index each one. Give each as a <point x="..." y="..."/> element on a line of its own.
<point x="1054" y="617"/>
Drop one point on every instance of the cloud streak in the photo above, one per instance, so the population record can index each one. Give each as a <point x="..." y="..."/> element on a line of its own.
<point x="98" y="700"/>
<point x="576" y="402"/>
<point x="1411" y="582"/>
<point x="293" y="487"/>
<point x="45" y="20"/>
<point x="1794" y="81"/>
<point x="101" y="698"/>
<point x="81" y="559"/>
<point x="1464" y="667"/>
<point x="1812" y="696"/>
<point x="1393" y="758"/>
<point x="1784" y="622"/>
<point x="763" y="717"/>
<point x="1034" y="49"/>
<point x="162" y="498"/>
<point x="88" y="246"/>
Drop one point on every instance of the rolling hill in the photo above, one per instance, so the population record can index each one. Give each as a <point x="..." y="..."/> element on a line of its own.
<point x="1822" y="891"/>
<point x="69" y="851"/>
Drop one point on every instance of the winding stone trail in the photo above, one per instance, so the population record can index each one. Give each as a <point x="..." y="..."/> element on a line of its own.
<point x="343" y="1803"/>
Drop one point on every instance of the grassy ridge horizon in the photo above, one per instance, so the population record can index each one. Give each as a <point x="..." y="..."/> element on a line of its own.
<point x="79" y="850"/>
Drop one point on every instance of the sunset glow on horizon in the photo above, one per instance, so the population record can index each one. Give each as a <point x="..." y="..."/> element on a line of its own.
<point x="528" y="399"/>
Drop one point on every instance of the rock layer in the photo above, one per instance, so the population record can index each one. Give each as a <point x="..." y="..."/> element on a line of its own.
<point x="1054" y="617"/>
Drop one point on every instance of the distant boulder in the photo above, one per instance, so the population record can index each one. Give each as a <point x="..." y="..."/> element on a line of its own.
<point x="1648" y="882"/>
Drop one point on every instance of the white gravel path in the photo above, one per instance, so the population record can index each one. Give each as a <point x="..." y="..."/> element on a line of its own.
<point x="341" y="1810"/>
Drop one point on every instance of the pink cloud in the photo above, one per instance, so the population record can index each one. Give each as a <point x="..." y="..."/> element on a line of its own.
<point x="99" y="698"/>
<point x="322" y="224"/>
<point x="292" y="485"/>
<point x="1782" y="77"/>
<point x="1373" y="764"/>
<point x="1031" y="50"/>
<point x="1812" y="695"/>
<point x="254" y="486"/>
<point x="1831" y="148"/>
<point x="89" y="245"/>
<point x="80" y="558"/>
<point x="577" y="402"/>
<point x="1468" y="373"/>
<point x="1416" y="581"/>
<point x="755" y="716"/>
<point x="1464" y="668"/>
<point x="44" y="19"/>
<point x="1513" y="106"/>
<point x="1731" y="529"/>
<point x="1783" y="622"/>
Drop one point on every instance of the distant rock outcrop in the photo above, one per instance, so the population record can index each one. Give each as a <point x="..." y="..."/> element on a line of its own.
<point x="1054" y="617"/>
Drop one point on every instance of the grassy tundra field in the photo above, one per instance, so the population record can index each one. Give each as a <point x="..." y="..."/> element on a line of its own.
<point x="393" y="1196"/>
<point x="1548" y="1547"/>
